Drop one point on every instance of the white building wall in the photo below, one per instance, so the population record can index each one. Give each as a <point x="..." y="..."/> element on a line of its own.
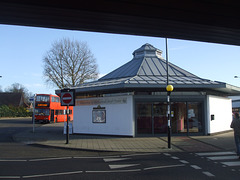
<point x="119" y="116"/>
<point x="221" y="108"/>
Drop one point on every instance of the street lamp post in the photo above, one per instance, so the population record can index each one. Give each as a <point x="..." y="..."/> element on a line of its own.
<point x="169" y="89"/>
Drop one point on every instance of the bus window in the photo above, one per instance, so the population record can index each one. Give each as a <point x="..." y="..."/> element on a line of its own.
<point x="42" y="112"/>
<point x="59" y="112"/>
<point x="42" y="98"/>
<point x="55" y="99"/>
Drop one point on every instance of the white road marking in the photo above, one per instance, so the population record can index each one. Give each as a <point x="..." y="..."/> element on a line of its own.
<point x="118" y="166"/>
<point x="220" y="156"/>
<point x="161" y="167"/>
<point x="53" y="174"/>
<point x="173" y="157"/>
<point x="114" y="171"/>
<point x="223" y="158"/>
<point x="143" y="154"/>
<point x="10" y="177"/>
<point x="115" y="159"/>
<point x="215" y="153"/>
<point x="234" y="163"/>
<point x="167" y="154"/>
<point x="208" y="174"/>
<point x="183" y="161"/>
<point x="12" y="160"/>
<point x="196" y="167"/>
<point x="95" y="157"/>
<point x="56" y="158"/>
<point x="50" y="159"/>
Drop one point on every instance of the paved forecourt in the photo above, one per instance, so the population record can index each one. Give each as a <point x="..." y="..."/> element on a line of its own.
<point x="52" y="135"/>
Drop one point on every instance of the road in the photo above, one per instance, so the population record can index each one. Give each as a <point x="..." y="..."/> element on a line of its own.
<point x="11" y="149"/>
<point x="22" y="161"/>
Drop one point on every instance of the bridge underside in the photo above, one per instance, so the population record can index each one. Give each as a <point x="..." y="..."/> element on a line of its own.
<point x="209" y="21"/>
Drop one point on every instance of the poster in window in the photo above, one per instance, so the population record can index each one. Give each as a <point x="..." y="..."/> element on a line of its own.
<point x="99" y="116"/>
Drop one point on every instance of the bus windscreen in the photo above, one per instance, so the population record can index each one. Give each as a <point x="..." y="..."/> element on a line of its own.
<point x="42" y="98"/>
<point x="42" y="112"/>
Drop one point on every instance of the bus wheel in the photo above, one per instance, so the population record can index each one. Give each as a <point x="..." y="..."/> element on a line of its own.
<point x="56" y="120"/>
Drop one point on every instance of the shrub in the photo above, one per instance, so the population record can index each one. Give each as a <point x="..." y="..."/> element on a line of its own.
<point x="11" y="111"/>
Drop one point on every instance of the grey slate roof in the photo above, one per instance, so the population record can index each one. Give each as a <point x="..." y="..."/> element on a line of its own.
<point x="147" y="69"/>
<point x="147" y="61"/>
<point x="11" y="99"/>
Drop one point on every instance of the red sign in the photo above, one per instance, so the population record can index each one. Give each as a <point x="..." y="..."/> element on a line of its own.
<point x="67" y="98"/>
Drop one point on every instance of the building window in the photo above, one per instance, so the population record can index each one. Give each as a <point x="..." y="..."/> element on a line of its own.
<point x="186" y="117"/>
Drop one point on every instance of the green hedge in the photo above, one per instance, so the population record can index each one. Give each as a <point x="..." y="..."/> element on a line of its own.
<point x="10" y="111"/>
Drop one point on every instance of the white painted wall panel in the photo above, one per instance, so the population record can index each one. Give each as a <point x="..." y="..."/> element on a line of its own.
<point x="119" y="116"/>
<point x="221" y="108"/>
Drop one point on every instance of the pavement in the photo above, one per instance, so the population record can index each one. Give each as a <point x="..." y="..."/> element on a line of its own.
<point x="52" y="135"/>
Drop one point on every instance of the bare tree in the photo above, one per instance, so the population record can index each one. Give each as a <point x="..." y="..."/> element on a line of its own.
<point x="19" y="88"/>
<point x="16" y="88"/>
<point x="69" y="63"/>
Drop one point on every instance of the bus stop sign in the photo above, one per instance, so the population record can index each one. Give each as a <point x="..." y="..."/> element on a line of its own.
<point x="67" y="97"/>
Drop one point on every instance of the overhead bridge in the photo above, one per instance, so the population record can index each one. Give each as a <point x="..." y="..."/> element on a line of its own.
<point x="216" y="21"/>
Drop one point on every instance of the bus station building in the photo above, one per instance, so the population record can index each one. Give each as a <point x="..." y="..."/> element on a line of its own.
<point x="132" y="100"/>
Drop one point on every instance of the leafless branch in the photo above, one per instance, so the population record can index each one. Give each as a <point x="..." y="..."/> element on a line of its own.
<point x="69" y="63"/>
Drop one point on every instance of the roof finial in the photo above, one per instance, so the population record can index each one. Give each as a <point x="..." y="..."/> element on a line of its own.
<point x="147" y="50"/>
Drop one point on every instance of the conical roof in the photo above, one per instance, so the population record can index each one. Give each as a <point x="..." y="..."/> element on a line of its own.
<point x="147" y="61"/>
<point x="147" y="70"/>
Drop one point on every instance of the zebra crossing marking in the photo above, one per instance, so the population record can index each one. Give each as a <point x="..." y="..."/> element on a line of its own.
<point x="217" y="158"/>
<point x="228" y="158"/>
<point x="233" y="163"/>
<point x="216" y="153"/>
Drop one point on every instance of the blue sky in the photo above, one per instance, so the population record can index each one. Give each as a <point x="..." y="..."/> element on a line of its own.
<point x="22" y="50"/>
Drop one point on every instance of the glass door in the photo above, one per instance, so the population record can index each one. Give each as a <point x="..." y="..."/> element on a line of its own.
<point x="160" y="118"/>
<point x="195" y="117"/>
<point x="144" y="118"/>
<point x="179" y="117"/>
<point x="52" y="115"/>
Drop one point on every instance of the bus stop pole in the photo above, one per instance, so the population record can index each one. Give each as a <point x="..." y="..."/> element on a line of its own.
<point x="33" y="118"/>
<point x="67" y="134"/>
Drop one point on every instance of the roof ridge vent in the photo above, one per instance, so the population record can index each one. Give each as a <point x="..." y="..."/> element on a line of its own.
<point x="147" y="50"/>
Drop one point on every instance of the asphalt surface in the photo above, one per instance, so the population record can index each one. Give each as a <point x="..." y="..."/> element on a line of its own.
<point x="44" y="154"/>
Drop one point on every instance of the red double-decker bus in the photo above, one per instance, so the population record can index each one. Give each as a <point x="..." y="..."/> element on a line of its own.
<point x="48" y="109"/>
